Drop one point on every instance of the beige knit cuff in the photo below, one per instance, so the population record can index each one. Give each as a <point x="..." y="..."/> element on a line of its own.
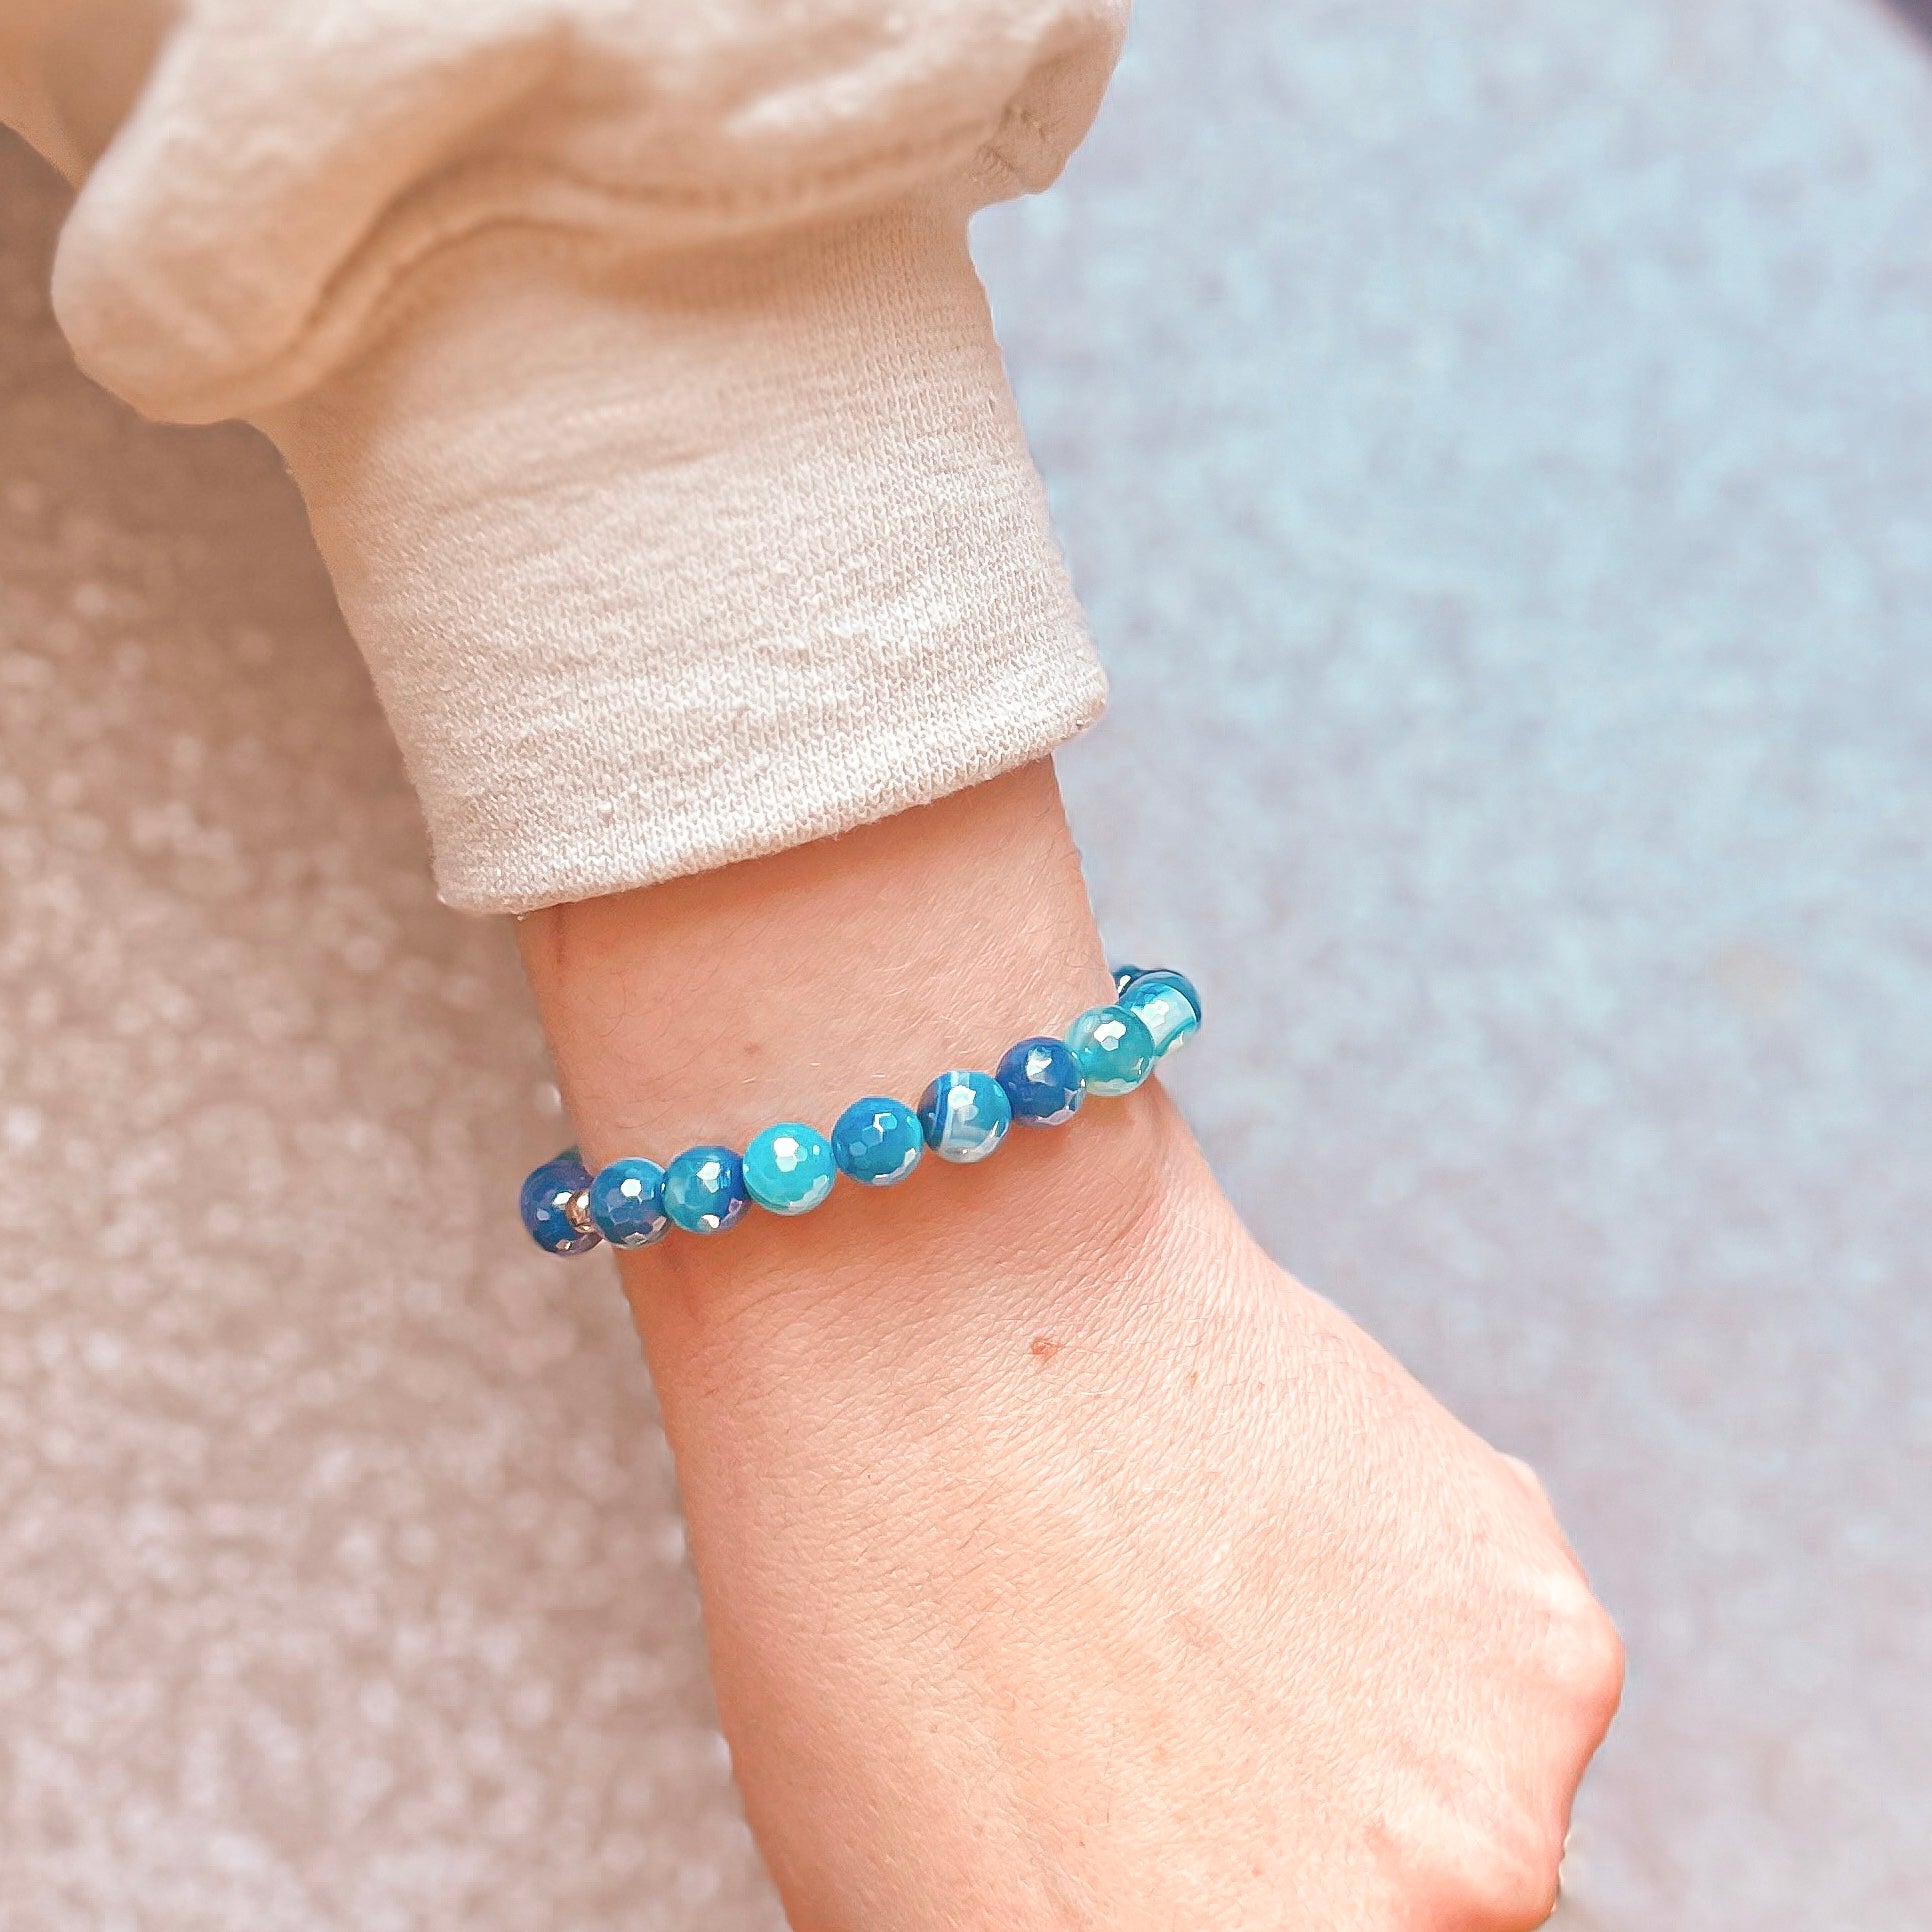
<point x="663" y="562"/>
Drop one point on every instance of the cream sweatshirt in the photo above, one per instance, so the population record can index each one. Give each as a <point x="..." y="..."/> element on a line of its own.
<point x="631" y="362"/>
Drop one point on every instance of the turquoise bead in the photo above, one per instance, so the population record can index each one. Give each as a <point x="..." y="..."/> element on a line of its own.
<point x="548" y="1205"/>
<point x="1114" y="1049"/>
<point x="1124" y="977"/>
<point x="704" y="1189"/>
<point x="627" y="1203"/>
<point x="964" y="1115"/>
<point x="1168" y="1006"/>
<point x="1042" y="1080"/>
<point x="789" y="1168"/>
<point x="877" y="1141"/>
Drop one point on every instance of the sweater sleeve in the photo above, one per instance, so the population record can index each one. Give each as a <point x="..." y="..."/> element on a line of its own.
<point x="632" y="364"/>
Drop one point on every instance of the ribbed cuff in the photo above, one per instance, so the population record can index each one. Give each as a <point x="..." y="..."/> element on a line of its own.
<point x="663" y="563"/>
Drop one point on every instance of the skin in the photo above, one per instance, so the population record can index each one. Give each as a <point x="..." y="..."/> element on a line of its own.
<point x="1065" y="1563"/>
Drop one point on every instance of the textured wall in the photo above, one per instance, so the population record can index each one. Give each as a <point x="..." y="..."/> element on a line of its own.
<point x="1494" y="442"/>
<point x="341" y="1580"/>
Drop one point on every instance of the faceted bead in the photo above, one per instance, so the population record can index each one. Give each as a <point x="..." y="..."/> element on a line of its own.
<point x="789" y="1169"/>
<point x="1042" y="1080"/>
<point x="1167" y="1004"/>
<point x="1124" y="977"/>
<point x="704" y="1189"/>
<point x="1114" y="1049"/>
<point x="877" y="1141"/>
<point x="964" y="1115"/>
<point x="627" y="1203"/>
<point x="549" y="1205"/>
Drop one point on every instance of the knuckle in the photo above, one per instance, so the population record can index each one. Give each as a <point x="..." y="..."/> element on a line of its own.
<point x="1584" y="1654"/>
<point x="1487" y="1853"/>
<point x="1508" y="1883"/>
<point x="1531" y="1482"/>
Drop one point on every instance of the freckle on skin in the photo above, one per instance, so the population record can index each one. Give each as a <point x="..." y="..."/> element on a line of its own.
<point x="1196" y="1631"/>
<point x="1045" y="1349"/>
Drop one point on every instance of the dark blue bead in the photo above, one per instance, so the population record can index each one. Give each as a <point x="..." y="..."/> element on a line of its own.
<point x="704" y="1189"/>
<point x="877" y="1141"/>
<point x="627" y="1203"/>
<point x="1043" y="1081"/>
<point x="546" y="1201"/>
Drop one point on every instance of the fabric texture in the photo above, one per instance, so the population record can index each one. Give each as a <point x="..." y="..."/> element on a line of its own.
<point x="633" y="365"/>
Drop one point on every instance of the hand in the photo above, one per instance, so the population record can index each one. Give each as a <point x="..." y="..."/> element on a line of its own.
<point x="1065" y="1563"/>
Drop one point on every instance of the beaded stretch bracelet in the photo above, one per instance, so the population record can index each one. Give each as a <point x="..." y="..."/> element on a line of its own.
<point x="790" y="1168"/>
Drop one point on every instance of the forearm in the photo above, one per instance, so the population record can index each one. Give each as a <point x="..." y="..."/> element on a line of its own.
<point x="857" y="1398"/>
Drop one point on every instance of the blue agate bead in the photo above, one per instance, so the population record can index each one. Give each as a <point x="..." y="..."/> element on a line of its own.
<point x="1115" y="1050"/>
<point x="789" y="1169"/>
<point x="704" y="1189"/>
<point x="877" y="1141"/>
<point x="964" y="1115"/>
<point x="627" y="1203"/>
<point x="1124" y="977"/>
<point x="1042" y="1081"/>
<point x="1167" y="1005"/>
<point x="549" y="1208"/>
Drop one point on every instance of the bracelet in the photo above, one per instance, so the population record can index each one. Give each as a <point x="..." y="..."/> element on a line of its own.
<point x="789" y="1169"/>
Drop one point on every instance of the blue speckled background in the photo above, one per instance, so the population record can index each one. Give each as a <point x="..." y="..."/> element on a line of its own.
<point x="1495" y="444"/>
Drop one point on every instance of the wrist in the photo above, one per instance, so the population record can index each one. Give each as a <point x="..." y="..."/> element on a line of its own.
<point x="781" y="989"/>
